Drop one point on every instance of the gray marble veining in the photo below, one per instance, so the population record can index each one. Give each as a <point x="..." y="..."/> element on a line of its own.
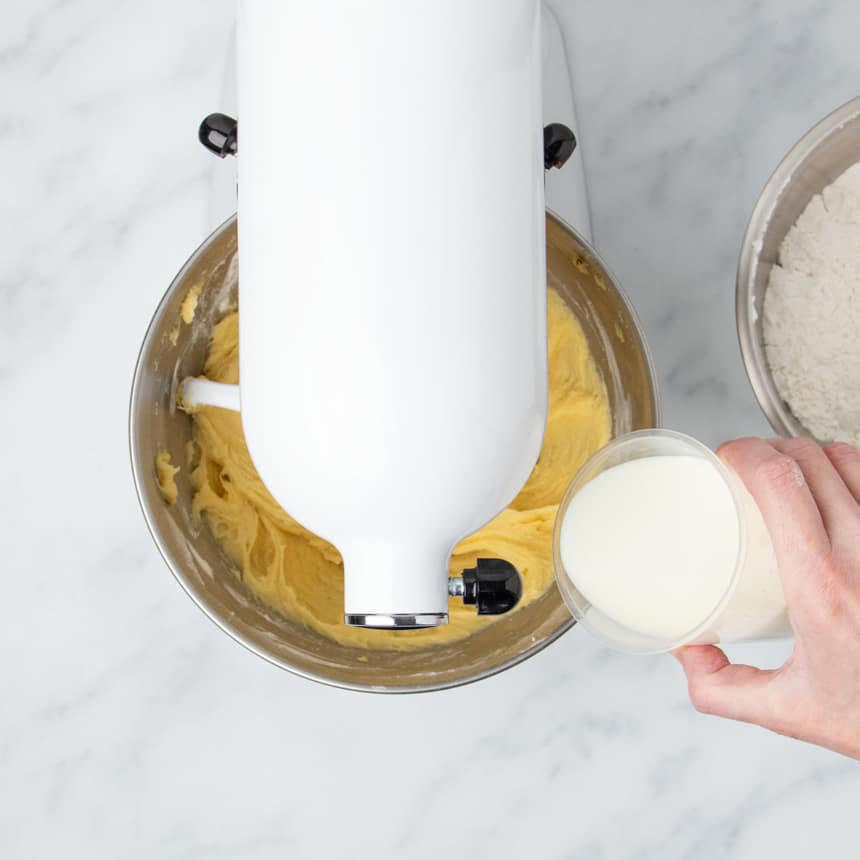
<point x="129" y="725"/>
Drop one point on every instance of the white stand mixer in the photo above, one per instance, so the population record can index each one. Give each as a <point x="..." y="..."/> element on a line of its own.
<point x="394" y="373"/>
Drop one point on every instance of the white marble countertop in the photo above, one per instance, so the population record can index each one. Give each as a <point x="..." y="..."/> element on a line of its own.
<point x="129" y="725"/>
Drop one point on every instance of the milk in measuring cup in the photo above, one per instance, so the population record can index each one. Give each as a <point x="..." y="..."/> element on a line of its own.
<point x="675" y="549"/>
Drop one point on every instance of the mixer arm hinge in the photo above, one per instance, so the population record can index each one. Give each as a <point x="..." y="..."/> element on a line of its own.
<point x="219" y="133"/>
<point x="493" y="585"/>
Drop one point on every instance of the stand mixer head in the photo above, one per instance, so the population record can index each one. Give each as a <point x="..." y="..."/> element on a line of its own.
<point x="419" y="414"/>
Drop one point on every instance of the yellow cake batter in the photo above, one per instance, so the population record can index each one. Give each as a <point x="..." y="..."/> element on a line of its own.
<point x="189" y="304"/>
<point x="165" y="476"/>
<point x="301" y="575"/>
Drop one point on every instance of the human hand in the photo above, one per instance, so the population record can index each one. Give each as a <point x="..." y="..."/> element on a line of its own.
<point x="810" y="500"/>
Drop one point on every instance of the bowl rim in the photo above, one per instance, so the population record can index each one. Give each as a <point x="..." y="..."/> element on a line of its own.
<point x="224" y="624"/>
<point x="756" y="366"/>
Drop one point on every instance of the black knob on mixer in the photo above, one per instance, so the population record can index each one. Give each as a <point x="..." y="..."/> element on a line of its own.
<point x="219" y="133"/>
<point x="559" y="143"/>
<point x="494" y="586"/>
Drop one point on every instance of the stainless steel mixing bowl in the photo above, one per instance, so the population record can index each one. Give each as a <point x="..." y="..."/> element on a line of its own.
<point x="821" y="155"/>
<point x="171" y="352"/>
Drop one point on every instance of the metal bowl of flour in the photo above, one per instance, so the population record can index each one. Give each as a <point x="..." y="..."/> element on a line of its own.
<point x="173" y="350"/>
<point x="818" y="159"/>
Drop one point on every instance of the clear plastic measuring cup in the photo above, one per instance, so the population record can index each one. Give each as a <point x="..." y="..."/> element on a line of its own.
<point x="651" y="554"/>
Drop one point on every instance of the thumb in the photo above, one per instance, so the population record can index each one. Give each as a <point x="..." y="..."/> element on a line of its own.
<point x="724" y="689"/>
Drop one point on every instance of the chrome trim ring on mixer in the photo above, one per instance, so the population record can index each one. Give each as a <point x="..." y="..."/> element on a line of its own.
<point x="402" y="622"/>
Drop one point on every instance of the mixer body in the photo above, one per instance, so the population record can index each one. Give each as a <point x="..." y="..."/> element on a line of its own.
<point x="394" y="374"/>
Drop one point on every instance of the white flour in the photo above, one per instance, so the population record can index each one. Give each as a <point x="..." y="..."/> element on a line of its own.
<point x="812" y="314"/>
